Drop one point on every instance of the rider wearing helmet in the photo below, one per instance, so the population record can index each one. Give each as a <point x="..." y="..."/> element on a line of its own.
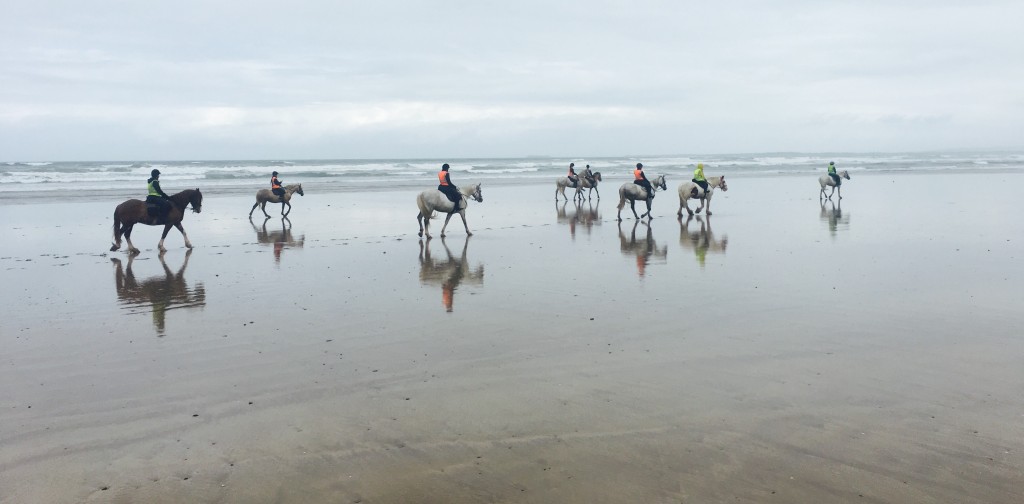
<point x="699" y="179"/>
<point x="276" y="187"/>
<point x="156" y="196"/>
<point x="832" y="173"/>
<point x="641" y="180"/>
<point x="448" y="188"/>
<point x="573" y="177"/>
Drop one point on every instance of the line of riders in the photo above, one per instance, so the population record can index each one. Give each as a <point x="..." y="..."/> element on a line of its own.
<point x="159" y="204"/>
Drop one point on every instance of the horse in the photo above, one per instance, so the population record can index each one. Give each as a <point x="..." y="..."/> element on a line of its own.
<point x="827" y="181"/>
<point x="642" y="249"/>
<point x="587" y="180"/>
<point x="686" y="193"/>
<point x="160" y="293"/>
<point x="133" y="212"/>
<point x="448" y="273"/>
<point x="264" y="196"/>
<point x="633" y="192"/>
<point x="431" y="201"/>
<point x="703" y="241"/>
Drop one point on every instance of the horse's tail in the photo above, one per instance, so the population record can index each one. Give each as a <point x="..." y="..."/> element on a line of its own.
<point x="622" y="198"/>
<point x="117" y="233"/>
<point x="425" y="211"/>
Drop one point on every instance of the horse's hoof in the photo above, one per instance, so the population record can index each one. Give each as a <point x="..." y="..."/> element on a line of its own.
<point x="134" y="251"/>
<point x="188" y="246"/>
<point x="468" y="233"/>
<point x="113" y="248"/>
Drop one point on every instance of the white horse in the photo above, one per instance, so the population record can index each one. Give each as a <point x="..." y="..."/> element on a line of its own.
<point x="633" y="192"/>
<point x="433" y="200"/>
<point x="264" y="196"/>
<point x="587" y="180"/>
<point x="690" y="190"/>
<point x="826" y="181"/>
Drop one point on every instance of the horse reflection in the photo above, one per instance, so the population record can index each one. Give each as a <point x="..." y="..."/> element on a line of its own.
<point x="580" y="213"/>
<point x="449" y="272"/>
<point x="701" y="241"/>
<point x="279" y="239"/>
<point x="644" y="249"/>
<point x="158" y="293"/>
<point x="834" y="216"/>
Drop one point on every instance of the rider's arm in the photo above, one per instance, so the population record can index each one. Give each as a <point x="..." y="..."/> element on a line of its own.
<point x="156" y="185"/>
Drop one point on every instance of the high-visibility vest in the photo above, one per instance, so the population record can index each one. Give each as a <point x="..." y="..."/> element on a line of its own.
<point x="274" y="183"/>
<point x="442" y="176"/>
<point x="638" y="174"/>
<point x="152" y="190"/>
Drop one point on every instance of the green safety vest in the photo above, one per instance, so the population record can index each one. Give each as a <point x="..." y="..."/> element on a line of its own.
<point x="832" y="169"/>
<point x="152" y="190"/>
<point x="698" y="174"/>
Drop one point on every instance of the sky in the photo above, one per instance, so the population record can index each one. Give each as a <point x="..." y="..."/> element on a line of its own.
<point x="339" y="79"/>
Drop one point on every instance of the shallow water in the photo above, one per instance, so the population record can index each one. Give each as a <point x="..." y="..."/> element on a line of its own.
<point x="781" y="350"/>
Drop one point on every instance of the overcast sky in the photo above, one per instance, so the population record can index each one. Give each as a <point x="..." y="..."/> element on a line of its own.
<point x="141" y="80"/>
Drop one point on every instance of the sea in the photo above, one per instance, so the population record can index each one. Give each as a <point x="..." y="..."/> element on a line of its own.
<point x="64" y="180"/>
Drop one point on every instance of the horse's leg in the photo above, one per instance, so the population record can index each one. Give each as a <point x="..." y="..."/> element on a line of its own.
<point x="285" y="214"/>
<point x="462" y="213"/>
<point x="263" y="207"/>
<point x="128" y="238"/>
<point x="167" y="229"/>
<point x="707" y="203"/>
<point x="254" y="205"/>
<point x="560" y="189"/>
<point x="632" y="206"/>
<point x="188" y="244"/>
<point x="648" y="212"/>
<point x="419" y="220"/>
<point x="701" y="207"/>
<point x="445" y="226"/>
<point x="840" y="189"/>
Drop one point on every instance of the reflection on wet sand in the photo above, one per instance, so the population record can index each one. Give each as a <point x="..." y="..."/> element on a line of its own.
<point x="833" y="213"/>
<point x="580" y="213"/>
<point x="448" y="272"/>
<point x="278" y="238"/>
<point x="644" y="249"/>
<point x="702" y="240"/>
<point x="158" y="293"/>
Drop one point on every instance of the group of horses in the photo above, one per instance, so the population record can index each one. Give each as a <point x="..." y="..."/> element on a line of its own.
<point x="429" y="202"/>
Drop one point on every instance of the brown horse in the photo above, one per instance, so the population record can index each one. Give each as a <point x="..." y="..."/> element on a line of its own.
<point x="133" y="212"/>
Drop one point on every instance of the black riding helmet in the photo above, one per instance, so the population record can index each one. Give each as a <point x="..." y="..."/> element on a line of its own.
<point x="274" y="174"/>
<point x="155" y="173"/>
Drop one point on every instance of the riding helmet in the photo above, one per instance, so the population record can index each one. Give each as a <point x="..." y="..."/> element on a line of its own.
<point x="155" y="172"/>
<point x="444" y="166"/>
<point x="274" y="174"/>
<point x="639" y="165"/>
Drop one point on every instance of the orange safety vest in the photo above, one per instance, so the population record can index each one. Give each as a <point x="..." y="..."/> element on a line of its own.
<point x="638" y="174"/>
<point x="442" y="176"/>
<point x="274" y="184"/>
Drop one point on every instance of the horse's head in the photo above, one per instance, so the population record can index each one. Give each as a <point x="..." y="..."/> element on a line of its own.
<point x="660" y="182"/>
<point x="597" y="176"/>
<point x="196" y="200"/>
<point x="477" y="194"/>
<point x="722" y="185"/>
<point x="845" y="174"/>
<point x="299" y="190"/>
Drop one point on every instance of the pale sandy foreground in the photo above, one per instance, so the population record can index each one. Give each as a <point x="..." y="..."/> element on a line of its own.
<point x="783" y="352"/>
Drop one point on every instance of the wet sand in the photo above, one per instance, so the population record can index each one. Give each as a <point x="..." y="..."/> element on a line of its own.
<point x="779" y="351"/>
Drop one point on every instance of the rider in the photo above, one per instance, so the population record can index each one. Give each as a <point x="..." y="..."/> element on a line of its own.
<point x="641" y="180"/>
<point x="832" y="173"/>
<point x="157" y="196"/>
<point x="575" y="179"/>
<point x="698" y="178"/>
<point x="589" y="175"/>
<point x="275" y="186"/>
<point x="448" y="188"/>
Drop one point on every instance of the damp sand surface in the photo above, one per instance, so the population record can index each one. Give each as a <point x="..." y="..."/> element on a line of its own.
<point x="781" y="350"/>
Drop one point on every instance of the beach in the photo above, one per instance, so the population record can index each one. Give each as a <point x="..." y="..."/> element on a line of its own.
<point x="782" y="350"/>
